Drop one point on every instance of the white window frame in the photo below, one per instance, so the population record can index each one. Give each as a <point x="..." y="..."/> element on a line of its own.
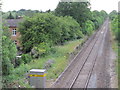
<point x="14" y="32"/>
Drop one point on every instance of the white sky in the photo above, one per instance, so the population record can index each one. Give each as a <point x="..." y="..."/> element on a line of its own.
<point x="107" y="5"/>
<point x="8" y="5"/>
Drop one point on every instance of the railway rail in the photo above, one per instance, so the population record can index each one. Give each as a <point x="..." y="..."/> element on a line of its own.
<point x="79" y="71"/>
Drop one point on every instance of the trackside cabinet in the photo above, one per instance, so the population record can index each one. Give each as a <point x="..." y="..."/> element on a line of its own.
<point x="37" y="78"/>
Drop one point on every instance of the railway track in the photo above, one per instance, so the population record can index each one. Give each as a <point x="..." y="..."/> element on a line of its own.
<point x="101" y="67"/>
<point x="78" y="73"/>
<point x="89" y="64"/>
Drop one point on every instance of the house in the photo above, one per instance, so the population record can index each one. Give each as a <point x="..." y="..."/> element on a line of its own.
<point x="13" y="28"/>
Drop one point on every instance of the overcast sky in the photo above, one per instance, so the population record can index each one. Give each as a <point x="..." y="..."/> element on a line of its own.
<point x="8" y="5"/>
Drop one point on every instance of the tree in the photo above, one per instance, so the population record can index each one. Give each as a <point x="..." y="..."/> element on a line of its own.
<point x="113" y="14"/>
<point x="103" y="14"/>
<point x="78" y="10"/>
<point x="49" y="29"/>
<point x="82" y="14"/>
<point x="70" y="29"/>
<point x="48" y="11"/>
<point x="98" y="18"/>
<point x="38" y="29"/>
<point x="115" y="27"/>
<point x="89" y="27"/>
<point x="9" y="52"/>
<point x="10" y="16"/>
<point x="115" y="22"/>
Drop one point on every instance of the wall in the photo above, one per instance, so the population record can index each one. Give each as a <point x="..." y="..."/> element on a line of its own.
<point x="17" y="35"/>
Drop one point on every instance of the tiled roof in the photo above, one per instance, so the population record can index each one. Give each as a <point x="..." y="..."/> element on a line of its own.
<point x="12" y="22"/>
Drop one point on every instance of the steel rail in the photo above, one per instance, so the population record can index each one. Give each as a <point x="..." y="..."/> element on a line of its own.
<point x="90" y="72"/>
<point x="84" y="64"/>
<point x="82" y="50"/>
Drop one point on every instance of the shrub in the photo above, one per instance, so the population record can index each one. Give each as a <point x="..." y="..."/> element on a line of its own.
<point x="18" y="62"/>
<point x="8" y="55"/>
<point x="40" y="50"/>
<point x="49" y="30"/>
<point x="26" y="58"/>
<point x="89" y="27"/>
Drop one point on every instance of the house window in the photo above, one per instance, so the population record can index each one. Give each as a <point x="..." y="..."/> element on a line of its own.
<point x="14" y="32"/>
<point x="15" y="42"/>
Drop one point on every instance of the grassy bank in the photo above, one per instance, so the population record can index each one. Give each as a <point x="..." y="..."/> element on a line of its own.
<point x="59" y="58"/>
<point x="116" y="48"/>
<point x="119" y="66"/>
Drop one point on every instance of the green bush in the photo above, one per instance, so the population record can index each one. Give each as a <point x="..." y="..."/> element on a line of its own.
<point x="113" y="14"/>
<point x="26" y="58"/>
<point x="9" y="52"/>
<point x="70" y="29"/>
<point x="98" y="18"/>
<point x="49" y="29"/>
<point x="40" y="50"/>
<point x="89" y="27"/>
<point x="115" y="27"/>
<point x="18" y="62"/>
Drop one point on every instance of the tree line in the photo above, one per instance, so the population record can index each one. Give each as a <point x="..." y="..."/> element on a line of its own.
<point x="115" y="22"/>
<point x="115" y="26"/>
<point x="22" y="12"/>
<point x="68" y="22"/>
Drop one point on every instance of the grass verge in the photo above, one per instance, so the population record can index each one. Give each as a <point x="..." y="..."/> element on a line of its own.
<point x="116" y="48"/>
<point x="60" y="58"/>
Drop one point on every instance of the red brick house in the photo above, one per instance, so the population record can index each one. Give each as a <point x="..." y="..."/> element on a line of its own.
<point x="13" y="28"/>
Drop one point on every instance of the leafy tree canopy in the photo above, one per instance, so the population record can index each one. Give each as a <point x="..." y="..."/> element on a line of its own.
<point x="9" y="52"/>
<point x="49" y="29"/>
<point x="10" y="16"/>
<point x="77" y="10"/>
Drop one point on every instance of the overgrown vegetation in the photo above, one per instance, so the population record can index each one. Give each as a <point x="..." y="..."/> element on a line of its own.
<point x="44" y="36"/>
<point x="9" y="52"/>
<point x="45" y="30"/>
<point x="81" y="13"/>
<point x="59" y="62"/>
<point x="115" y="24"/>
<point x="54" y="30"/>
